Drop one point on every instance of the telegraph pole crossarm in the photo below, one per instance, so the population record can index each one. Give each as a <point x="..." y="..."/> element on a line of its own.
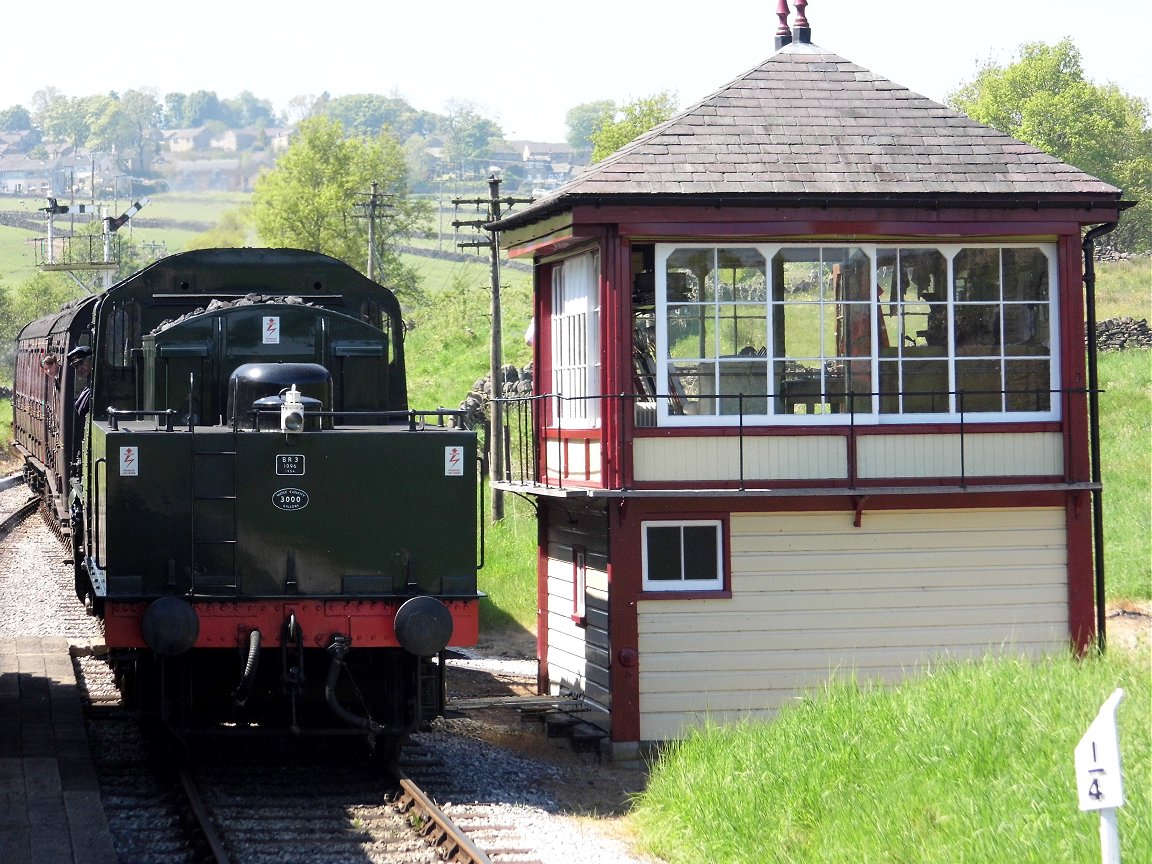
<point x="495" y="360"/>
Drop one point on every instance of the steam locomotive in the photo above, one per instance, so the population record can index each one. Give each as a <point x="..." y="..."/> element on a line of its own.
<point x="267" y="530"/>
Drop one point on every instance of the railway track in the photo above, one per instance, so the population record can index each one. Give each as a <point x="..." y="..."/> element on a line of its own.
<point x="241" y="798"/>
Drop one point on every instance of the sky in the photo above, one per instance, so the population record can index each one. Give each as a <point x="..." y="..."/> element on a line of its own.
<point x="524" y="64"/>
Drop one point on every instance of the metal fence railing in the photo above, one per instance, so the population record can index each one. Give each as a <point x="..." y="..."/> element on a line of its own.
<point x="544" y="447"/>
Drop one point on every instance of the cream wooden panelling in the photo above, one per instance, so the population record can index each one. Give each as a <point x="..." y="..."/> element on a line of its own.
<point x="813" y="596"/>
<point x="796" y="457"/>
<point x="990" y="454"/>
<point x="569" y="460"/>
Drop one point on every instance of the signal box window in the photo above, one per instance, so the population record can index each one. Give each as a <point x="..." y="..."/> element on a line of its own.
<point x="576" y="341"/>
<point x="683" y="556"/>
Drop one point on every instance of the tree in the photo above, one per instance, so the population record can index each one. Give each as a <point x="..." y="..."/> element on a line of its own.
<point x="231" y="231"/>
<point x="123" y="125"/>
<point x="368" y="114"/>
<point x="584" y="119"/>
<point x="633" y="120"/>
<point x="1044" y="100"/>
<point x="41" y="294"/>
<point x="61" y="119"/>
<point x="312" y="199"/>
<point x="246" y="110"/>
<point x="202" y="107"/>
<point x="174" y="110"/>
<point x="466" y="134"/>
<point x="15" y="119"/>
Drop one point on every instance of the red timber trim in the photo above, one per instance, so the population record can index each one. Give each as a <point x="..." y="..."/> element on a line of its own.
<point x="542" y="600"/>
<point x="1073" y="373"/>
<point x="858" y="430"/>
<point x="1081" y="575"/>
<point x="848" y="501"/>
<point x="543" y="348"/>
<point x="367" y="623"/>
<point x="862" y="224"/>
<point x="852" y="487"/>
<point x="616" y="353"/>
<point x="624" y="580"/>
<point x="1072" y="359"/>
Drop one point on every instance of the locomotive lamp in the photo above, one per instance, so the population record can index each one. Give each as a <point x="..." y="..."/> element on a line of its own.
<point x="291" y="411"/>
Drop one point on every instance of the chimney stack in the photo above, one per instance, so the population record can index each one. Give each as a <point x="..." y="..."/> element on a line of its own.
<point x="783" y="34"/>
<point x="803" y="31"/>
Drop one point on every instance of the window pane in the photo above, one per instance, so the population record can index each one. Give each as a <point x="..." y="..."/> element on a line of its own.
<point x="663" y="553"/>
<point x="978" y="385"/>
<point x="800" y="334"/>
<point x="924" y="387"/>
<point x="700" y="552"/>
<point x="1025" y="328"/>
<point x="977" y="275"/>
<point x="740" y="274"/>
<point x="855" y="330"/>
<point x="978" y="330"/>
<point x="1028" y="385"/>
<point x="859" y="382"/>
<point x="685" y="387"/>
<point x="1025" y="275"/>
<point x="798" y="388"/>
<point x="923" y="275"/>
<point x="749" y="378"/>
<point x="685" y="271"/>
<point x="743" y="330"/>
<point x="686" y="331"/>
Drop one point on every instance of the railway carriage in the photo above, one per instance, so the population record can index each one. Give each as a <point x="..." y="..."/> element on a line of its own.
<point x="267" y="530"/>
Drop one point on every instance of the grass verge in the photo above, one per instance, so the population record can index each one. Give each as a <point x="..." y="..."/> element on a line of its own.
<point x="967" y="762"/>
<point x="1126" y="466"/>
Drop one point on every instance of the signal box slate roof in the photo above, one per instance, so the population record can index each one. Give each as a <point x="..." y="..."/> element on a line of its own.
<point x="808" y="124"/>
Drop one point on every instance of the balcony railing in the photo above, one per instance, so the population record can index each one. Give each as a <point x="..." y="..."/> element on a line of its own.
<point x="542" y="450"/>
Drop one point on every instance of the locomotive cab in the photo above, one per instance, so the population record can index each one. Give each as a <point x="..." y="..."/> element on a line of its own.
<point x="258" y="397"/>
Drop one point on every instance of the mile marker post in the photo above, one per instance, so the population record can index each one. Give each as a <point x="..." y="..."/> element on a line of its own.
<point x="1099" y="782"/>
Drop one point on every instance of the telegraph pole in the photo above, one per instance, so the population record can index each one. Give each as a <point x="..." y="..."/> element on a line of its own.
<point x="495" y="356"/>
<point x="372" y="207"/>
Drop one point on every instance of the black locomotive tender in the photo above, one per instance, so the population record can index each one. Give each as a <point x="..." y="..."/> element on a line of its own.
<point x="266" y="530"/>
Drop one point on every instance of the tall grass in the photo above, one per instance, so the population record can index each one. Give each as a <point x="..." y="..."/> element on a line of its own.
<point x="1126" y="466"/>
<point x="968" y="762"/>
<point x="509" y="574"/>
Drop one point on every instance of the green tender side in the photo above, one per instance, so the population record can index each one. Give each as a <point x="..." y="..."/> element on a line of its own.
<point x="349" y="512"/>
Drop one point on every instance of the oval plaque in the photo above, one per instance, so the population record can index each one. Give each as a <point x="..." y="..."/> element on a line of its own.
<point x="290" y="499"/>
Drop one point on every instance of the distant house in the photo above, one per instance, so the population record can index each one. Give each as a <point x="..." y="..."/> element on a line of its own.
<point x="233" y="140"/>
<point x="187" y="140"/>
<point x="12" y="143"/>
<point x="22" y="175"/>
<point x="279" y="137"/>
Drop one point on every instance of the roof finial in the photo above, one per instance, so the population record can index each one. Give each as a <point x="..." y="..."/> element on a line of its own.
<point x="803" y="31"/>
<point x="783" y="34"/>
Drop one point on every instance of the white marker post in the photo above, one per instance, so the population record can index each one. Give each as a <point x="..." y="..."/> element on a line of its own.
<point x="1099" y="782"/>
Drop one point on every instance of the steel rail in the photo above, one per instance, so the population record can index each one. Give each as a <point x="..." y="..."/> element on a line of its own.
<point x="19" y="514"/>
<point x="203" y="820"/>
<point x="438" y="829"/>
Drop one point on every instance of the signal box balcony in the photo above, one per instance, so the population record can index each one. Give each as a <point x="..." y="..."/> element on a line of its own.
<point x="816" y="445"/>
